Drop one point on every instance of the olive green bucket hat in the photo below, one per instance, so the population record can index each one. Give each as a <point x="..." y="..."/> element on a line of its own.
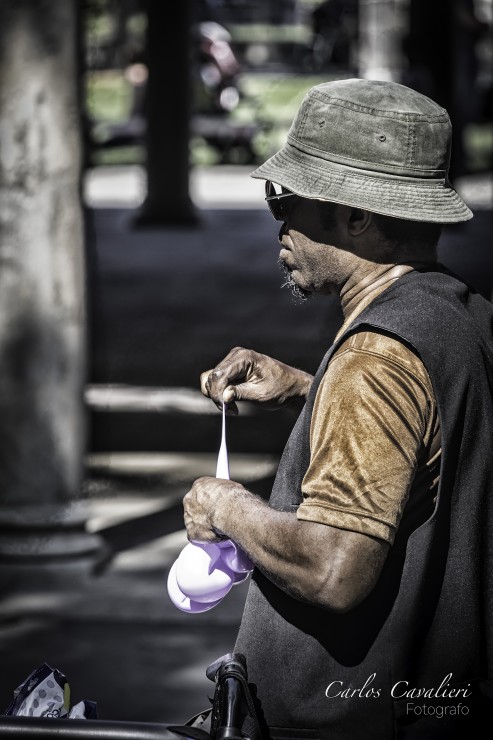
<point x="370" y="144"/>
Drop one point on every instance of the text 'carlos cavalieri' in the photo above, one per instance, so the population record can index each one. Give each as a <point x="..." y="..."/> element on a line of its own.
<point x="400" y="690"/>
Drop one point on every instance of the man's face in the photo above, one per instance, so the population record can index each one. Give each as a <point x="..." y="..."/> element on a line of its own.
<point x="309" y="254"/>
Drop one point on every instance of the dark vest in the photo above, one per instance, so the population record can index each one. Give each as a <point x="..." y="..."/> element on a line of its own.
<point x="431" y="613"/>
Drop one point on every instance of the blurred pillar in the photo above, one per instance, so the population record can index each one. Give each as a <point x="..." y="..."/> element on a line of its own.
<point x="168" y="106"/>
<point x="42" y="316"/>
<point x="380" y="39"/>
<point x="430" y="49"/>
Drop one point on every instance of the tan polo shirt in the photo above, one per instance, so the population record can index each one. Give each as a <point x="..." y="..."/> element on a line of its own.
<point x="375" y="439"/>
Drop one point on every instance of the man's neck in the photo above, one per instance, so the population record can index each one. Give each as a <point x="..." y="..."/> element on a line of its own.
<point x="365" y="284"/>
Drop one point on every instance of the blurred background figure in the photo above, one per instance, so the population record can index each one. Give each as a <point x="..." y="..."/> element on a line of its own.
<point x="218" y="70"/>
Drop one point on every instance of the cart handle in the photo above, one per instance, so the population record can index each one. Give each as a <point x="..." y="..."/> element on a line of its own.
<point x="43" y="728"/>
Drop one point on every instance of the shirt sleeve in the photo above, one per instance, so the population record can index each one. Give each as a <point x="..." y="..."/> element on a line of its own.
<point x="370" y="424"/>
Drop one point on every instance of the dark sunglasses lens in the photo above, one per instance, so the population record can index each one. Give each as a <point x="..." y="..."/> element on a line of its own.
<point x="279" y="207"/>
<point x="276" y="209"/>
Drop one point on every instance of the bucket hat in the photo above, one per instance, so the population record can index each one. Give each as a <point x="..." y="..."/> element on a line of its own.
<point x="370" y="144"/>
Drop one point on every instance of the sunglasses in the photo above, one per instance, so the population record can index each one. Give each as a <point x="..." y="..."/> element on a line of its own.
<point x="279" y="203"/>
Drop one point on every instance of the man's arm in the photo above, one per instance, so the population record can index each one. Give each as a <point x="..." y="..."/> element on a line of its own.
<point x="245" y="375"/>
<point x="375" y="416"/>
<point x="332" y="568"/>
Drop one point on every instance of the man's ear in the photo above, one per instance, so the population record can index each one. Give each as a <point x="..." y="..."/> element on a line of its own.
<point x="358" y="221"/>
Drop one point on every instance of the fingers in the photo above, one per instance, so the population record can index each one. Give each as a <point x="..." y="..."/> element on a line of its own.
<point x="198" y="507"/>
<point x="228" y="395"/>
<point x="220" y="378"/>
<point x="243" y="392"/>
<point x="218" y="383"/>
<point x="204" y="377"/>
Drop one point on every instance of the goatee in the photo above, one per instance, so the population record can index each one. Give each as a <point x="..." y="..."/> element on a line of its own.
<point x="299" y="294"/>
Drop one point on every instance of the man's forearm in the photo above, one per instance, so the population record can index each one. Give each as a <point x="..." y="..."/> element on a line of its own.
<point x="272" y="540"/>
<point x="312" y="562"/>
<point x="324" y="565"/>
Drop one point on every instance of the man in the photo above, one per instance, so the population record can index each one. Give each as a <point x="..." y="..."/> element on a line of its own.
<point x="369" y="614"/>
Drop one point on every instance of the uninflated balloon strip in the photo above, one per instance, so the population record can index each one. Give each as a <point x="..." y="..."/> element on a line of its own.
<point x="205" y="572"/>
<point x="222" y="468"/>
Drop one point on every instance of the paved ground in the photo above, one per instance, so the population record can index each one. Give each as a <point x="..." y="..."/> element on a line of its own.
<point x="116" y="635"/>
<point x="166" y="304"/>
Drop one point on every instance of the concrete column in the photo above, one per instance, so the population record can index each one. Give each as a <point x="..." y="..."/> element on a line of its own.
<point x="168" y="108"/>
<point x="42" y="287"/>
<point x="380" y="42"/>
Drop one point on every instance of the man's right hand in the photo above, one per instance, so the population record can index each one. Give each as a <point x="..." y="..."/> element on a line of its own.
<point x="245" y="375"/>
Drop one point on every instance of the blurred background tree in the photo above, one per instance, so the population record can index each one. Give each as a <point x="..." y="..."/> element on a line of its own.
<point x="42" y="271"/>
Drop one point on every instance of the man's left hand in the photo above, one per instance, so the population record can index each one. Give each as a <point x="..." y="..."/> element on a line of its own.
<point x="202" y="506"/>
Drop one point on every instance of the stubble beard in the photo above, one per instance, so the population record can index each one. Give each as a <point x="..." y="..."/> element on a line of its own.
<point x="299" y="294"/>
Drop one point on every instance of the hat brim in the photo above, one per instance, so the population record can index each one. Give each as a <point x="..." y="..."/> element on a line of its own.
<point x="415" y="199"/>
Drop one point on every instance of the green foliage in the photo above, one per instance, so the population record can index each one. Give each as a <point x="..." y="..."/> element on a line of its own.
<point x="275" y="97"/>
<point x="108" y="96"/>
<point x="263" y="33"/>
<point x="478" y="144"/>
<point x="271" y="101"/>
<point x="99" y="22"/>
<point x="119" y="155"/>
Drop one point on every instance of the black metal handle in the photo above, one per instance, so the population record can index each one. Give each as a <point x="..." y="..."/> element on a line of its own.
<point x="229" y="712"/>
<point x="234" y="716"/>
